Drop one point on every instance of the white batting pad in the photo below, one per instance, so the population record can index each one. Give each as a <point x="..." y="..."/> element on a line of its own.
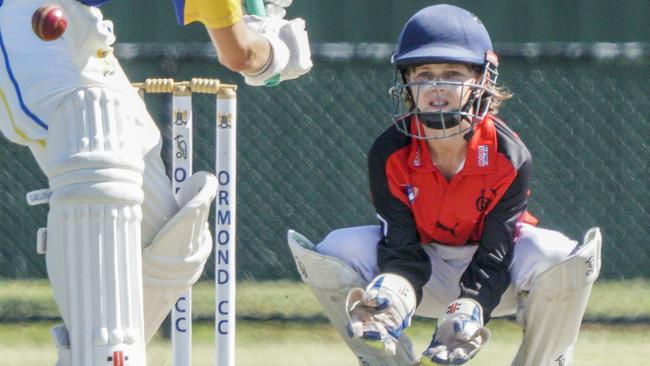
<point x="94" y="166"/>
<point x="175" y="259"/>
<point x="552" y="312"/>
<point x="330" y="281"/>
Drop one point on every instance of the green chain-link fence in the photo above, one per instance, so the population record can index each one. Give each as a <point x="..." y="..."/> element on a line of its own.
<point x="302" y="151"/>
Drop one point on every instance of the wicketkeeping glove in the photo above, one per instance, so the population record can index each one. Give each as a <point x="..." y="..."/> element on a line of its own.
<point x="460" y="334"/>
<point x="380" y="313"/>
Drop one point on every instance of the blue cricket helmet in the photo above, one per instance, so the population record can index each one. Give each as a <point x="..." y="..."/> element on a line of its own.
<point x="443" y="33"/>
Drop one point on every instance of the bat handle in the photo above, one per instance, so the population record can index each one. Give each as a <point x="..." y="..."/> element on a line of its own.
<point x="256" y="7"/>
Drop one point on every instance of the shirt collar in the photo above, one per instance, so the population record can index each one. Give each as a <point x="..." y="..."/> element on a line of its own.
<point x="481" y="150"/>
<point x="419" y="158"/>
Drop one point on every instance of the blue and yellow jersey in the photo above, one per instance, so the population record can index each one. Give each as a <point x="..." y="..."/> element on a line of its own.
<point x="212" y="13"/>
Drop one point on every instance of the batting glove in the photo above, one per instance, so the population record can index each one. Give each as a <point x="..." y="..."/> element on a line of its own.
<point x="276" y="8"/>
<point x="291" y="56"/>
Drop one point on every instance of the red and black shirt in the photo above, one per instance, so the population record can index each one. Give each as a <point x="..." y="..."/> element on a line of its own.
<point x="481" y="205"/>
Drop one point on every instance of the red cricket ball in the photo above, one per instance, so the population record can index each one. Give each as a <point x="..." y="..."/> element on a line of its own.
<point x="49" y="22"/>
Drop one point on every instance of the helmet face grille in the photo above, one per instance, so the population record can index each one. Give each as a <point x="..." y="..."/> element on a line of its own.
<point x="410" y="118"/>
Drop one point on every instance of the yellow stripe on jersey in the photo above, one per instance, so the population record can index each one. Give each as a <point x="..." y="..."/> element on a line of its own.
<point x="213" y="13"/>
<point x="18" y="131"/>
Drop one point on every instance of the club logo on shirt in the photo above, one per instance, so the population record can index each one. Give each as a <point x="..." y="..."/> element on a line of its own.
<point x="483" y="157"/>
<point x="483" y="202"/>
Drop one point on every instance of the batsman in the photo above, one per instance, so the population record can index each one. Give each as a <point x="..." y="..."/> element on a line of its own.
<point x="120" y="248"/>
<point x="450" y="184"/>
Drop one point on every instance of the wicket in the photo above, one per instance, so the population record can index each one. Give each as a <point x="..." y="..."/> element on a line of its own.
<point x="225" y="217"/>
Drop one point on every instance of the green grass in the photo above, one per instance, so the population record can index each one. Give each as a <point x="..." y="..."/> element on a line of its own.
<point x="20" y="300"/>
<point x="314" y="342"/>
<point x="279" y="343"/>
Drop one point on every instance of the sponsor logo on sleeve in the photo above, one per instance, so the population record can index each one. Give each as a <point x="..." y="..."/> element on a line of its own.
<point x="411" y="193"/>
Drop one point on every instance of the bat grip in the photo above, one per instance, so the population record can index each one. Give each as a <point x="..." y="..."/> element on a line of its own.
<point x="256" y="7"/>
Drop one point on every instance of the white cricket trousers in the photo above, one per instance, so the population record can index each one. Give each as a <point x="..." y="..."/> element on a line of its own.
<point x="535" y="250"/>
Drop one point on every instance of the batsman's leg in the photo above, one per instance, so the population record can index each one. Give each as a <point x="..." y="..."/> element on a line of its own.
<point x="330" y="279"/>
<point x="94" y="165"/>
<point x="177" y="241"/>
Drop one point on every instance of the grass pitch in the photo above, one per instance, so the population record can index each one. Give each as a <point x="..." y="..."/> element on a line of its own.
<point x="280" y="324"/>
<point x="282" y="343"/>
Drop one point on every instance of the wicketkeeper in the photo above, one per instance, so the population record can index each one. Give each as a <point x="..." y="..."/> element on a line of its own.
<point x="450" y="184"/>
<point x="119" y="247"/>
